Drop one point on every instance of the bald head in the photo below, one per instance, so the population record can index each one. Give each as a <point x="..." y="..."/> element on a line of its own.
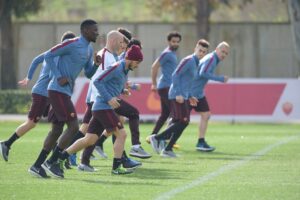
<point x="222" y="50"/>
<point x="114" y="41"/>
<point x="223" y="45"/>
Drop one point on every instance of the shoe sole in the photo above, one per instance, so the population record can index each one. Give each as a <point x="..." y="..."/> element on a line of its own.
<point x="83" y="170"/>
<point x="128" y="172"/>
<point x="205" y="150"/>
<point x="139" y="156"/>
<point x="36" y="174"/>
<point x="5" y="159"/>
<point x="153" y="147"/>
<point x="50" y="172"/>
<point x="167" y="156"/>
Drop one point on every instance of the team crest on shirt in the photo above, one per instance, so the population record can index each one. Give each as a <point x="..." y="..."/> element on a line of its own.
<point x="72" y="115"/>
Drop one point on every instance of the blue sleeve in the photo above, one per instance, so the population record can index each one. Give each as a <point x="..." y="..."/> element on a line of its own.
<point x="101" y="82"/>
<point x="176" y="76"/>
<point x="208" y="72"/>
<point x="35" y="62"/>
<point x="164" y="57"/>
<point x="90" y="68"/>
<point x="59" y="50"/>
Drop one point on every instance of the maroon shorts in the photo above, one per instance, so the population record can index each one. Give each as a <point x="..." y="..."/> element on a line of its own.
<point x="180" y="111"/>
<point x="164" y="98"/>
<point x="88" y="113"/>
<point x="38" y="107"/>
<point x="62" y="108"/>
<point x="107" y="119"/>
<point x="202" y="105"/>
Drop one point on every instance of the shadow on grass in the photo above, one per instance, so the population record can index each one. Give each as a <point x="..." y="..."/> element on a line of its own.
<point x="141" y="173"/>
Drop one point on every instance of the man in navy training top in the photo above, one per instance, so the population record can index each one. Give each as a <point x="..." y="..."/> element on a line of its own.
<point x="206" y="71"/>
<point x="180" y="99"/>
<point x="39" y="94"/>
<point x="167" y="61"/>
<point x="110" y="84"/>
<point x="74" y="55"/>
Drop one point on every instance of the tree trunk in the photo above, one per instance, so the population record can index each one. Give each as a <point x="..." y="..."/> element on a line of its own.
<point x="202" y="18"/>
<point x="294" y="12"/>
<point x="8" y="69"/>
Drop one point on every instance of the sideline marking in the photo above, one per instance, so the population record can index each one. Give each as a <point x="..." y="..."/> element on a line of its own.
<point x="203" y="179"/>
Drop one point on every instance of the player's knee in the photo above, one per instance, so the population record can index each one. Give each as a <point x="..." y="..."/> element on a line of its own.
<point x="206" y="116"/>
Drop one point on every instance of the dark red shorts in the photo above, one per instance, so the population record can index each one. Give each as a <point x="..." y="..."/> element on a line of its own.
<point x="38" y="107"/>
<point x="88" y="113"/>
<point x="202" y="105"/>
<point x="180" y="111"/>
<point x="104" y="119"/>
<point x="62" y="108"/>
<point x="164" y="97"/>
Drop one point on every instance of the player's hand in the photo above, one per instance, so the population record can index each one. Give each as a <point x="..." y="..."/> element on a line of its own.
<point x="153" y="88"/>
<point x="179" y="99"/>
<point x="226" y="79"/>
<point x="126" y="92"/>
<point x="97" y="59"/>
<point x="193" y="101"/>
<point x="24" y="82"/>
<point x="62" y="81"/>
<point x="114" y="103"/>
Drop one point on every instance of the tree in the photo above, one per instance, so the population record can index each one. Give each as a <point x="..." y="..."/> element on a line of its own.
<point x="8" y="9"/>
<point x="294" y="12"/>
<point x="197" y="9"/>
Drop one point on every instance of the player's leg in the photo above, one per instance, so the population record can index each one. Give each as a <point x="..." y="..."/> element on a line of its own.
<point x="132" y="114"/>
<point x="37" y="109"/>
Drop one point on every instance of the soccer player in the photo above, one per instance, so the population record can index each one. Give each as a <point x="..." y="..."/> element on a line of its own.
<point x="180" y="100"/>
<point x="74" y="55"/>
<point x="167" y="61"/>
<point x="129" y="111"/>
<point x="125" y="109"/>
<point x="108" y="56"/>
<point x="39" y="95"/>
<point x="207" y="67"/>
<point x="110" y="84"/>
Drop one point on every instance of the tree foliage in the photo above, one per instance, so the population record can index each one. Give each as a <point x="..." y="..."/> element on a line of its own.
<point x="8" y="9"/>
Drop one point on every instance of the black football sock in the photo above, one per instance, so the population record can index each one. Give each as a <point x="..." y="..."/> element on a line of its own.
<point x="11" y="140"/>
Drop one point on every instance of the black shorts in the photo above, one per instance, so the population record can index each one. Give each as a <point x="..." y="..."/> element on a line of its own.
<point x="104" y="119"/>
<point x="180" y="111"/>
<point x="88" y="113"/>
<point x="202" y="105"/>
<point x="38" y="107"/>
<point x="62" y="108"/>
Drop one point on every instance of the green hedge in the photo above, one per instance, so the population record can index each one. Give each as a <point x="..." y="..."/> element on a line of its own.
<point x="15" y="101"/>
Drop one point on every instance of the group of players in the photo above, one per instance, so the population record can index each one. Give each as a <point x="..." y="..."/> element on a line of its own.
<point x="180" y="87"/>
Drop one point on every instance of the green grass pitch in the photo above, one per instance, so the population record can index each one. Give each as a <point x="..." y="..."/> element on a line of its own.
<point x="251" y="161"/>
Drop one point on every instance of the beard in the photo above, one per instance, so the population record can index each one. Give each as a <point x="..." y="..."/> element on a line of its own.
<point x="174" y="48"/>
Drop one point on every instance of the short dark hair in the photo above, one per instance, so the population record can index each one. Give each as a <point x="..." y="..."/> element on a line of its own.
<point x="125" y="32"/>
<point x="173" y="34"/>
<point x="134" y="41"/>
<point x="86" y="23"/>
<point x="203" y="43"/>
<point x="67" y="35"/>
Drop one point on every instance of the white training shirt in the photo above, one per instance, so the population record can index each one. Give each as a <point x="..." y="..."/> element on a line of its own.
<point x="107" y="60"/>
